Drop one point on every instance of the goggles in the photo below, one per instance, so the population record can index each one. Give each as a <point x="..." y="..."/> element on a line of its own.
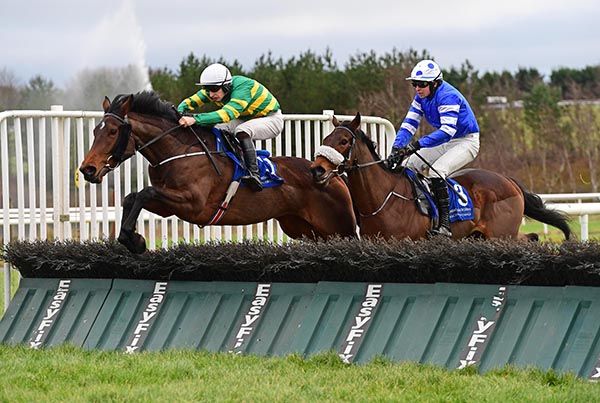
<point x="420" y="84"/>
<point x="211" y="88"/>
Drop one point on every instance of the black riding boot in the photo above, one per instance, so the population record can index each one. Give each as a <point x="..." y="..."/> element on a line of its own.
<point x="253" y="177"/>
<point x="440" y="192"/>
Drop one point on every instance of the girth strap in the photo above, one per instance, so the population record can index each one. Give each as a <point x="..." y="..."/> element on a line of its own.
<point x="231" y="191"/>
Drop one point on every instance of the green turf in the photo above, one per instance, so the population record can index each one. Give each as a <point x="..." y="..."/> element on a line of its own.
<point x="71" y="374"/>
<point x="14" y="281"/>
<point x="555" y="234"/>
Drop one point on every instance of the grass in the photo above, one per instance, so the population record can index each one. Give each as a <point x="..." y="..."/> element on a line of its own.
<point x="14" y="284"/>
<point x="72" y="374"/>
<point x="555" y="235"/>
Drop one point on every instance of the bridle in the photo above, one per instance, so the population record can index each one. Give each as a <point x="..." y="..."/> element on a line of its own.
<point x="118" y="149"/>
<point x="355" y="165"/>
<point x="125" y="131"/>
<point x="343" y="167"/>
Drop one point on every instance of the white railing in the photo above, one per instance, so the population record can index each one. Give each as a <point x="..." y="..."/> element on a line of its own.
<point x="43" y="198"/>
<point x="574" y="204"/>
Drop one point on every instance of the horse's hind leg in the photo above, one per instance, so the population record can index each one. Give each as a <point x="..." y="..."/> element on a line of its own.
<point x="532" y="236"/>
<point x="132" y="206"/>
<point x="295" y="227"/>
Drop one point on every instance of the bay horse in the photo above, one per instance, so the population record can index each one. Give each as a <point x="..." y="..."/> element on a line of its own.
<point x="386" y="204"/>
<point x="193" y="187"/>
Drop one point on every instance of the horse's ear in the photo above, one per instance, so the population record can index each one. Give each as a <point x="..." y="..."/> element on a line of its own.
<point x="355" y="124"/>
<point x="126" y="105"/>
<point x="335" y="122"/>
<point x="106" y="104"/>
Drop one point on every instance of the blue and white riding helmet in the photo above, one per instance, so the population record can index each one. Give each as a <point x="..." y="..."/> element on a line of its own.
<point x="426" y="70"/>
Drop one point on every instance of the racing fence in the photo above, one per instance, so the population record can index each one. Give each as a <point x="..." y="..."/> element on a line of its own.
<point x="43" y="196"/>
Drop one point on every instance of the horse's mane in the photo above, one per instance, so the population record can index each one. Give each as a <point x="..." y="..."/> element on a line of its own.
<point x="371" y="145"/>
<point x="147" y="103"/>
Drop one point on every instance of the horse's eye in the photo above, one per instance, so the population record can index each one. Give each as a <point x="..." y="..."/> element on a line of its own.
<point x="112" y="131"/>
<point x="344" y="142"/>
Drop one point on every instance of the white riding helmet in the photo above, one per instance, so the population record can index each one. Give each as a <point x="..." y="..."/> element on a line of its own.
<point x="426" y="70"/>
<point x="215" y="74"/>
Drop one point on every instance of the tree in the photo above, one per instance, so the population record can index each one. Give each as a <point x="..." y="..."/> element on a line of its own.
<point x="542" y="115"/>
<point x="39" y="93"/>
<point x="526" y="79"/>
<point x="573" y="83"/>
<point x="465" y="79"/>
<point x="9" y="90"/>
<point x="380" y="82"/>
<point x="89" y="87"/>
<point x="583" y="122"/>
<point x="164" y="82"/>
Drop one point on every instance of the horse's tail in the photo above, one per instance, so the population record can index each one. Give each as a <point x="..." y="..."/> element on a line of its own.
<point x="536" y="209"/>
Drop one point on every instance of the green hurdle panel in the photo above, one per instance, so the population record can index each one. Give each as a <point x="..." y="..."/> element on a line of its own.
<point x="451" y="325"/>
<point x="548" y="327"/>
<point x="49" y="312"/>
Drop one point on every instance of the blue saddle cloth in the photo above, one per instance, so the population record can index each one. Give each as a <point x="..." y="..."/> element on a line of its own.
<point x="266" y="167"/>
<point x="459" y="210"/>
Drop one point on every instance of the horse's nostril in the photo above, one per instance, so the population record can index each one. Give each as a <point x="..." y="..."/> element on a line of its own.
<point x="88" y="170"/>
<point x="317" y="171"/>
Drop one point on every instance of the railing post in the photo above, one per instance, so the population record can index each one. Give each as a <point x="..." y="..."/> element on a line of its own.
<point x="328" y="125"/>
<point x="5" y="205"/>
<point x="57" y="173"/>
<point x="584" y="221"/>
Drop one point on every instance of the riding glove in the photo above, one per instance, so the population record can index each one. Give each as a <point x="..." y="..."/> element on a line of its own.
<point x="411" y="147"/>
<point x="395" y="158"/>
<point x="398" y="154"/>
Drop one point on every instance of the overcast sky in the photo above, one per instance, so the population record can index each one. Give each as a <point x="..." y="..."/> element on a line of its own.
<point x="58" y="38"/>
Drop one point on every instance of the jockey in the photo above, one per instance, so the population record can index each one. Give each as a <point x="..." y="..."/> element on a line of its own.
<point x="454" y="142"/>
<point x="248" y="110"/>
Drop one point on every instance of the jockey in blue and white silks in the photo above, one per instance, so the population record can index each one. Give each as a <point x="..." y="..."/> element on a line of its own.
<point x="447" y="110"/>
<point x="454" y="142"/>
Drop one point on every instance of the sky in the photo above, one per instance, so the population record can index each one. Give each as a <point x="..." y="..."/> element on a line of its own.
<point x="59" y="38"/>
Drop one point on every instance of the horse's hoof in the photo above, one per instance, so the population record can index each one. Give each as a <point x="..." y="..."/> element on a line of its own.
<point x="135" y="243"/>
<point x="139" y="246"/>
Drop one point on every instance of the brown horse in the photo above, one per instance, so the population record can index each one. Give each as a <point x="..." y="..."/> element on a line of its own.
<point x="193" y="187"/>
<point x="386" y="204"/>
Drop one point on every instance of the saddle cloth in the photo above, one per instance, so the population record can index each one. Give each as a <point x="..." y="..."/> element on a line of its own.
<point x="266" y="167"/>
<point x="460" y="210"/>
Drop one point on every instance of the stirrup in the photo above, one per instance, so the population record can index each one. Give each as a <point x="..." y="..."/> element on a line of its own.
<point x="253" y="182"/>
<point x="441" y="231"/>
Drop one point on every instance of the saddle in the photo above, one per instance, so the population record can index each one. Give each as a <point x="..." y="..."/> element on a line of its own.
<point x="461" y="207"/>
<point x="229" y="144"/>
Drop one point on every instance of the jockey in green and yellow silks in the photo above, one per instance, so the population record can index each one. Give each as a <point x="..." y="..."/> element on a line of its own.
<point x="248" y="99"/>
<point x="247" y="109"/>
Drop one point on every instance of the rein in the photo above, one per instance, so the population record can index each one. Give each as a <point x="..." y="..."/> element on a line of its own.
<point x="207" y="151"/>
<point x="355" y="165"/>
<point x="125" y="132"/>
<point x="341" y="168"/>
<point x="392" y="193"/>
<point x="160" y="136"/>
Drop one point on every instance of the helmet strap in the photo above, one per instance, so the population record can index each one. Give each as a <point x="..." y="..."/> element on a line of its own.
<point x="433" y="86"/>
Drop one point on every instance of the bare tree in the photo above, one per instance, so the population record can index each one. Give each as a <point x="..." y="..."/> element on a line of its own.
<point x="9" y="90"/>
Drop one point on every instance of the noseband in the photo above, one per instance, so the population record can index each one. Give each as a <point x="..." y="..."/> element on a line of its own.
<point x="330" y="153"/>
<point x="121" y="144"/>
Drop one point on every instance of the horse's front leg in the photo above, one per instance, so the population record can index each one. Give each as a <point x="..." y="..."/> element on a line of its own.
<point x="132" y="206"/>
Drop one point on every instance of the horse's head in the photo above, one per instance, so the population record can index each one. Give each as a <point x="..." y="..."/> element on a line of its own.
<point x="113" y="142"/>
<point x="337" y="149"/>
